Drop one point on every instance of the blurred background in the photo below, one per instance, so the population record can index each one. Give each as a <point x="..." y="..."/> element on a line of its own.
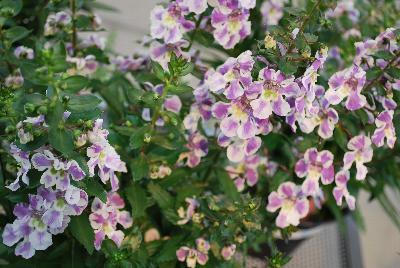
<point x="379" y="242"/>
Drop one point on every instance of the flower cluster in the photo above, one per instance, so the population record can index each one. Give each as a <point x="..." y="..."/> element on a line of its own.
<point x="194" y="255"/>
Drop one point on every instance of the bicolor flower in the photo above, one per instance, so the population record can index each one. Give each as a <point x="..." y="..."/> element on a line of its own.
<point x="314" y="166"/>
<point x="194" y="256"/>
<point x="106" y="216"/>
<point x="272" y="12"/>
<point x="126" y="64"/>
<point x="14" y="80"/>
<point x="340" y="191"/>
<point x="246" y="171"/>
<point x="83" y="66"/>
<point x="24" y="165"/>
<point x="344" y="8"/>
<point x="271" y="89"/>
<point x="384" y="129"/>
<point x="292" y="203"/>
<point x="56" y="173"/>
<point x="228" y="251"/>
<point x="230" y="28"/>
<point x="238" y="149"/>
<point x="23" y="52"/>
<point x="24" y="135"/>
<point x="195" y="6"/>
<point x="186" y="216"/>
<point x="198" y="148"/>
<point x="347" y="84"/>
<point x="162" y="53"/>
<point x="56" y="22"/>
<point x="169" y="23"/>
<point x="233" y="77"/>
<point x="360" y="152"/>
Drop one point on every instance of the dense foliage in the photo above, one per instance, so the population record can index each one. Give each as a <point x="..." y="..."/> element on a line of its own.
<point x="244" y="120"/>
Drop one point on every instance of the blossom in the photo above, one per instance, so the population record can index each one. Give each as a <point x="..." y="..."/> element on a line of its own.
<point x="173" y="104"/>
<point x="233" y="77"/>
<point x="160" y="172"/>
<point x="313" y="166"/>
<point x="14" y="80"/>
<point x="238" y="149"/>
<point x="23" y="52"/>
<point x="93" y="40"/>
<point x="105" y="217"/>
<point x="198" y="147"/>
<point x="272" y="12"/>
<point x="56" y="22"/>
<point x="195" y="6"/>
<point x="347" y="84"/>
<point x="344" y="7"/>
<point x="24" y="165"/>
<point x="47" y="213"/>
<point x="271" y="89"/>
<point x="129" y="63"/>
<point x="162" y="53"/>
<point x="83" y="66"/>
<point x="194" y="255"/>
<point x="340" y="191"/>
<point x="230" y="28"/>
<point x="384" y="129"/>
<point x="24" y="135"/>
<point x="292" y="202"/>
<point x="56" y="172"/>
<point x="246" y="171"/>
<point x="169" y="23"/>
<point x="187" y="215"/>
<point x="228" y="251"/>
<point x="360" y="152"/>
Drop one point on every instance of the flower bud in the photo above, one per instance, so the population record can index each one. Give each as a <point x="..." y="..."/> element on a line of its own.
<point x="269" y="41"/>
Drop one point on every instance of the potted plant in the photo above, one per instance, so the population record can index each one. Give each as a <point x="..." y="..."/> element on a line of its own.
<point x="245" y="119"/>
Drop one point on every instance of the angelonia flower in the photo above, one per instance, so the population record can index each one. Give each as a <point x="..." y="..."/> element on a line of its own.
<point x="103" y="156"/>
<point x="83" y="66"/>
<point x="160" y="172"/>
<point x="230" y="27"/>
<point x="272" y="11"/>
<point x="47" y="213"/>
<point x="314" y="166"/>
<point x="238" y="149"/>
<point x="198" y="148"/>
<point x="162" y="53"/>
<point x="347" y="83"/>
<point x="24" y="165"/>
<point x="26" y="135"/>
<point x="56" y="23"/>
<point x="340" y="191"/>
<point x="106" y="216"/>
<point x="151" y="234"/>
<point x="126" y="64"/>
<point x="194" y="256"/>
<point x="246" y="172"/>
<point x="96" y="21"/>
<point x="23" y="52"/>
<point x="188" y="214"/>
<point x="384" y="129"/>
<point x="360" y="153"/>
<point x="169" y="23"/>
<point x="56" y="173"/>
<point x="344" y="7"/>
<point x="14" y="80"/>
<point x="93" y="40"/>
<point x="228" y="251"/>
<point x="293" y="204"/>
<point x="195" y="6"/>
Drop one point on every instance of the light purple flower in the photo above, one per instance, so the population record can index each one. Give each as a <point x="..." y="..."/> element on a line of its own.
<point x="233" y="77"/>
<point x="347" y="84"/>
<point x="271" y="89"/>
<point x="14" y="80"/>
<point x="198" y="148"/>
<point x="344" y="7"/>
<point x="340" y="191"/>
<point x="313" y="166"/>
<point x="24" y="165"/>
<point x="272" y="11"/>
<point x="93" y="40"/>
<point x="187" y="215"/>
<point x="195" y="6"/>
<point x="23" y="135"/>
<point x="246" y="171"/>
<point x="173" y="104"/>
<point x="162" y="53"/>
<point x="56" y="22"/>
<point x="169" y="23"/>
<point x="105" y="217"/>
<point x="238" y="149"/>
<point x="192" y="256"/>
<point x="125" y="64"/>
<point x="228" y="251"/>
<point x="83" y="66"/>
<point x="23" y="52"/>
<point x="230" y="28"/>
<point x="360" y="152"/>
<point x="293" y="204"/>
<point x="384" y="129"/>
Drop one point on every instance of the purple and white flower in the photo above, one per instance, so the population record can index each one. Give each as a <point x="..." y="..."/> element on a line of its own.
<point x="360" y="152"/>
<point x="238" y="149"/>
<point x="83" y="66"/>
<point x="14" y="80"/>
<point x="340" y="191"/>
<point x="246" y="171"/>
<point x="162" y="53"/>
<point x="187" y="215"/>
<point x="26" y="136"/>
<point x="292" y="202"/>
<point x="24" y="165"/>
<point x="195" y="6"/>
<point x="384" y="129"/>
<point x="272" y="11"/>
<point x="228" y="251"/>
<point x="105" y="217"/>
<point x="192" y="256"/>
<point x="129" y="63"/>
<point x="23" y="52"/>
<point x="56" y="22"/>
<point x="198" y="148"/>
<point x="314" y="166"/>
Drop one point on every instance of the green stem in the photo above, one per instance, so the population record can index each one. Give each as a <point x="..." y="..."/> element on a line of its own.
<point x="74" y="33"/>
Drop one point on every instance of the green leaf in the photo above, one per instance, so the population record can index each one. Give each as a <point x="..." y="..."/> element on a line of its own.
<point x="187" y="69"/>
<point x="162" y="197"/>
<point x="340" y="138"/>
<point x="61" y="139"/>
<point x="136" y="196"/>
<point x="139" y="168"/>
<point x="82" y="231"/>
<point x="94" y="188"/>
<point x="227" y="185"/>
<point x="394" y="72"/>
<point x="158" y="70"/>
<point x="373" y="73"/>
<point x="137" y="138"/>
<point x="75" y="83"/>
<point x="310" y="38"/>
<point x="13" y="5"/>
<point x="16" y="33"/>
<point x="83" y="103"/>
